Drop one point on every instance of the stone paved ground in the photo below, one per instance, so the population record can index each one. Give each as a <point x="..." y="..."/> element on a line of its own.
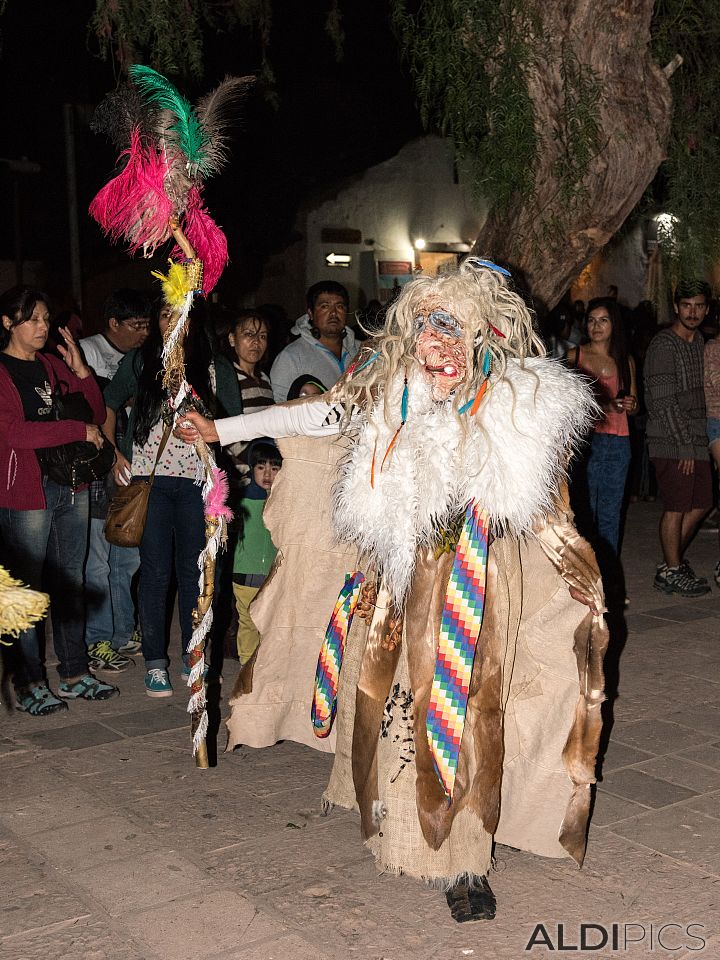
<point x="114" y="847"/>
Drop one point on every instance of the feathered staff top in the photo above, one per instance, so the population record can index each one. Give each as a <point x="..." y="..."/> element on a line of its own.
<point x="170" y="149"/>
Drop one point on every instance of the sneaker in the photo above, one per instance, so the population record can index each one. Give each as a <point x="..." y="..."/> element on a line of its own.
<point x="38" y="701"/>
<point x="688" y="570"/>
<point x="86" y="688"/>
<point x="675" y="580"/>
<point x="134" y="644"/>
<point x="185" y="671"/>
<point x="101" y="656"/>
<point x="157" y="683"/>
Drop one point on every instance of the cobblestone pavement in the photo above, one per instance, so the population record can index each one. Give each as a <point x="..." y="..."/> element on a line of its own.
<point x="113" y="846"/>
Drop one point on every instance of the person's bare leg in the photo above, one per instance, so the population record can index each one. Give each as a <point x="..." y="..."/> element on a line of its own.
<point x="671" y="537"/>
<point x="690" y="523"/>
<point x="715" y="454"/>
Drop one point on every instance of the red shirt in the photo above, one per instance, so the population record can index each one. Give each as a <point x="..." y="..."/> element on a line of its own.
<point x="21" y="486"/>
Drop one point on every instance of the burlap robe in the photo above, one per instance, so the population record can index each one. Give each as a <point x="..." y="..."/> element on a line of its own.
<point x="533" y="719"/>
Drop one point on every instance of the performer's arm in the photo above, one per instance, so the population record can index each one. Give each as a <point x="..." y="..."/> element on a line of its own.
<point x="316" y="418"/>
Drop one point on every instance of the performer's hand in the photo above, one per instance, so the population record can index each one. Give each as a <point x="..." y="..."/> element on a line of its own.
<point x="581" y="598"/>
<point x="180" y="238"/>
<point x="194" y="426"/>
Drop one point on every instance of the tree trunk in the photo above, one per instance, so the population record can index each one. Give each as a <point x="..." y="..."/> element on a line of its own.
<point x="547" y="241"/>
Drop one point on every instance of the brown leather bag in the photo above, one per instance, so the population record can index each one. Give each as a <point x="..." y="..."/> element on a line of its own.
<point x="127" y="511"/>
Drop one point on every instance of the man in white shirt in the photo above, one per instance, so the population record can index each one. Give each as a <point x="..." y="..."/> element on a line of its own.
<point x="326" y="346"/>
<point x="109" y="569"/>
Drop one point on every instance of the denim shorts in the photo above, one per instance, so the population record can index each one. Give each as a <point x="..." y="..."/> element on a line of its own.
<point x="713" y="429"/>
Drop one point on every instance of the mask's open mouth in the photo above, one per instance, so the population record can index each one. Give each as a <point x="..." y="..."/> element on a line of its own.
<point x="445" y="370"/>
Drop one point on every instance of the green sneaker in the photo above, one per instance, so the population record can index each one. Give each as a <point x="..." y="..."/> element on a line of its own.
<point x="86" y="688"/>
<point x="38" y="701"/>
<point x="157" y="683"/>
<point x="101" y="656"/>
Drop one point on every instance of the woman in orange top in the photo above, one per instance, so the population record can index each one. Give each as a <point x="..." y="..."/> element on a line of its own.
<point x="606" y="361"/>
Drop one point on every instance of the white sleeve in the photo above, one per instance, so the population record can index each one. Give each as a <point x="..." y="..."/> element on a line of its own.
<point x="318" y="418"/>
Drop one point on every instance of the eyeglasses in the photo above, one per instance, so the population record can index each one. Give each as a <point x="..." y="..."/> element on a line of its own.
<point x="137" y="324"/>
<point x="442" y="322"/>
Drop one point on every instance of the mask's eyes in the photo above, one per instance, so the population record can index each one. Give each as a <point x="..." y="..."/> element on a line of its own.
<point x="419" y="323"/>
<point x="445" y="323"/>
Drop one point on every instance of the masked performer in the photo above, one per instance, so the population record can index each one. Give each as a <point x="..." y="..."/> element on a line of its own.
<point x="468" y="705"/>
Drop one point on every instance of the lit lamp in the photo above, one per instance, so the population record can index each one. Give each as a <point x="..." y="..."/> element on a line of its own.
<point x="420" y="244"/>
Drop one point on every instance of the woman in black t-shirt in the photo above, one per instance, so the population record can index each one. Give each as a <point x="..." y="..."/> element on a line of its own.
<point x="44" y="524"/>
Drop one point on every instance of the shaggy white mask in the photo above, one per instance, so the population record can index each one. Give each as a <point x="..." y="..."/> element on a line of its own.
<point x="510" y="458"/>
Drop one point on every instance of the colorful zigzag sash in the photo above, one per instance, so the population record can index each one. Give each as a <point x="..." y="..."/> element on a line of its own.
<point x="327" y="675"/>
<point x="462" y="618"/>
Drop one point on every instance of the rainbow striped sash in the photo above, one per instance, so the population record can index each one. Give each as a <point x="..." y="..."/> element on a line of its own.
<point x="327" y="675"/>
<point x="459" y="630"/>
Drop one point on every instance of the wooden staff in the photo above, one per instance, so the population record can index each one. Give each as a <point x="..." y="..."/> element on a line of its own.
<point x="173" y="381"/>
<point x="197" y="653"/>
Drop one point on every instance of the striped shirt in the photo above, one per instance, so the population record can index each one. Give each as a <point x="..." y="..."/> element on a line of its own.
<point x="675" y="397"/>
<point x="256" y="392"/>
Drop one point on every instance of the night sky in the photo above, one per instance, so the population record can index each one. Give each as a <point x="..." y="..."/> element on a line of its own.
<point x="333" y="120"/>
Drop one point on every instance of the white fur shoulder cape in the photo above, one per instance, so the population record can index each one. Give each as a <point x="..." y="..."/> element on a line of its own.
<point x="510" y="458"/>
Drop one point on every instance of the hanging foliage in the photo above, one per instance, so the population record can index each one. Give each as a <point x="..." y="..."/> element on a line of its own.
<point x="168" y="34"/>
<point x="687" y="188"/>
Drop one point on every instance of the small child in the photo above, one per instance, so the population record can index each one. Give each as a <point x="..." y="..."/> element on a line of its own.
<point x="255" y="551"/>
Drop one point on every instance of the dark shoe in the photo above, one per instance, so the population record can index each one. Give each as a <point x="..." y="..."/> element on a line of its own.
<point x="471" y="901"/>
<point x="38" y="701"/>
<point x="86" y="688"/>
<point x="101" y="656"/>
<point x="675" y="580"/>
<point x="688" y="570"/>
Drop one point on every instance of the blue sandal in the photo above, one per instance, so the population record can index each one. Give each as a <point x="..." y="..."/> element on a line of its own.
<point x="86" y="688"/>
<point x="38" y="701"/>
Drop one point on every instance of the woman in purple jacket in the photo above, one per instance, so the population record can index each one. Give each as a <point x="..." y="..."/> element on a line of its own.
<point x="44" y="524"/>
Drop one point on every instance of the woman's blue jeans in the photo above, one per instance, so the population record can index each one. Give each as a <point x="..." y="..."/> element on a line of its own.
<point x="54" y="539"/>
<point x="174" y="533"/>
<point x="607" y="470"/>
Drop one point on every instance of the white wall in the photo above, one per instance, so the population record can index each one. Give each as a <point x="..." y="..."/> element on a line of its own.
<point x="411" y="195"/>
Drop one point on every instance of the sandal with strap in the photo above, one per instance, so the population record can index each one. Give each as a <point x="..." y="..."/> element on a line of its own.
<point x="86" y="688"/>
<point x="38" y="701"/>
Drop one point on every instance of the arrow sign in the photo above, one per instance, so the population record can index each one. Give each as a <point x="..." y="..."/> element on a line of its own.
<point x="338" y="259"/>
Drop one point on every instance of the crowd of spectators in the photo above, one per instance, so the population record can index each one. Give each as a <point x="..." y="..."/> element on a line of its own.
<point x="110" y="604"/>
<point x="657" y="433"/>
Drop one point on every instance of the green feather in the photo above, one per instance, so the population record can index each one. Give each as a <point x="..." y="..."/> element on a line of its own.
<point x="157" y="91"/>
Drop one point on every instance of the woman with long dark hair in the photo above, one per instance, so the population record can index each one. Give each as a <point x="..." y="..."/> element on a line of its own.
<point x="44" y="524"/>
<point x="175" y="511"/>
<point x="604" y="358"/>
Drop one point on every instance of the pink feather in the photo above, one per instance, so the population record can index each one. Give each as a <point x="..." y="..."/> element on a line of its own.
<point x="133" y="206"/>
<point x="207" y="239"/>
<point x="216" y="503"/>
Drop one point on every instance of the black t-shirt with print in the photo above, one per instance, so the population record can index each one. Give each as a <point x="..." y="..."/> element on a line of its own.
<point x="31" y="381"/>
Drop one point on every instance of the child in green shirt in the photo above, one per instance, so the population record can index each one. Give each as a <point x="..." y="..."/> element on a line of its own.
<point x="255" y="551"/>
